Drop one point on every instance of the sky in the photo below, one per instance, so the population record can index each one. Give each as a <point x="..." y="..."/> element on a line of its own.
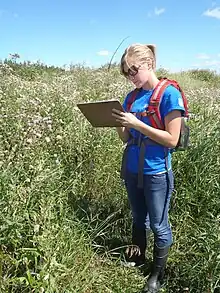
<point x="65" y="32"/>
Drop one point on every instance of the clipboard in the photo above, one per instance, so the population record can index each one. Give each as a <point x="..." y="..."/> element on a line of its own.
<point x="99" y="113"/>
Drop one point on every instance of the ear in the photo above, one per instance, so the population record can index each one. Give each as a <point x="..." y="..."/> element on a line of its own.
<point x="149" y="66"/>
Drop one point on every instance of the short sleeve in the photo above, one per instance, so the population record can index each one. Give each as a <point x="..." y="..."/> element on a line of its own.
<point x="171" y="100"/>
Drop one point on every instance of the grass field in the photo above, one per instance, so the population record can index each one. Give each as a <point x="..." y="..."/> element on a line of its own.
<point x="65" y="218"/>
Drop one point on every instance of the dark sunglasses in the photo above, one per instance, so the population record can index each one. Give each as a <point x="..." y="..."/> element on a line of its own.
<point x="132" y="71"/>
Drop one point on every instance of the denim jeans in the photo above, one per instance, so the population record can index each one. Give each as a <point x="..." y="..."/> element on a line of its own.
<point x="150" y="204"/>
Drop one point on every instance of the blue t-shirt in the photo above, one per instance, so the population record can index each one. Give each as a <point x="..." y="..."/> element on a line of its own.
<point x="154" y="154"/>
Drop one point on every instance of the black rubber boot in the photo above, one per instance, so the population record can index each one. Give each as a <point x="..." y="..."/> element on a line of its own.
<point x="135" y="254"/>
<point x="159" y="262"/>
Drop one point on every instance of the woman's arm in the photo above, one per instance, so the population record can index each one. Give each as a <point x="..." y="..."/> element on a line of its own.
<point x="123" y="133"/>
<point x="168" y="137"/>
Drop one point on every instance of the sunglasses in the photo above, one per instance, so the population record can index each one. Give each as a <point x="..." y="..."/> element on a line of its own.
<point x="132" y="71"/>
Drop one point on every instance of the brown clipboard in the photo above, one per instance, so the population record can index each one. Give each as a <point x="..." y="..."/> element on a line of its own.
<point x="99" y="113"/>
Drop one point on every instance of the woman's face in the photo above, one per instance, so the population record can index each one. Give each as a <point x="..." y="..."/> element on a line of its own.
<point x="137" y="74"/>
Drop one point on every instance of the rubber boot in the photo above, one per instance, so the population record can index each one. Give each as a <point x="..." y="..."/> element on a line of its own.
<point x="136" y="252"/>
<point x="159" y="262"/>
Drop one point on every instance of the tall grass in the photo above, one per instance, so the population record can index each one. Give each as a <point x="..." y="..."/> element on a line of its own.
<point x="65" y="218"/>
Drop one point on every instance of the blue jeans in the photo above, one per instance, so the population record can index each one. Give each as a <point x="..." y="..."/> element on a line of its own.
<point x="150" y="204"/>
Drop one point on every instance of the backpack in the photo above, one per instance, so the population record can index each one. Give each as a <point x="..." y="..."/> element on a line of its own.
<point x="153" y="111"/>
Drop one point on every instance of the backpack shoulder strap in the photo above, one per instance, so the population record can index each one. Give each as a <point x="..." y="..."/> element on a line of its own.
<point x="185" y="102"/>
<point x="131" y="99"/>
<point x="154" y="104"/>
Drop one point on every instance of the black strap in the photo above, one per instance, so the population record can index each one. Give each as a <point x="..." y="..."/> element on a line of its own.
<point x="142" y="144"/>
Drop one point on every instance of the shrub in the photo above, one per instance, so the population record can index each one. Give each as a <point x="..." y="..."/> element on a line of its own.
<point x="64" y="212"/>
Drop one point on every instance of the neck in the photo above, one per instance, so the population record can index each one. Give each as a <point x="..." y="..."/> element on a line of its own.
<point x="152" y="82"/>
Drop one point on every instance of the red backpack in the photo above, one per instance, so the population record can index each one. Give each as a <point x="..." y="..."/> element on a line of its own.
<point x="153" y="110"/>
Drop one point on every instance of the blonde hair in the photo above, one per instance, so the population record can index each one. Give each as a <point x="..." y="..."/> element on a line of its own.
<point x="139" y="54"/>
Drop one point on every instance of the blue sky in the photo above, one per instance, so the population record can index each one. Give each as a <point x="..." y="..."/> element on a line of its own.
<point x="63" y="32"/>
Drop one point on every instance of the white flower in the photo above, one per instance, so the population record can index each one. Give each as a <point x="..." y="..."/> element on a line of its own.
<point x="57" y="161"/>
<point x="59" y="137"/>
<point x="47" y="139"/>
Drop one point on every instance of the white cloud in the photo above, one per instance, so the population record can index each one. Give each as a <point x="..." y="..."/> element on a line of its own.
<point x="159" y="11"/>
<point x="203" y="56"/>
<point x="103" y="53"/>
<point x="212" y="62"/>
<point x="215" y="12"/>
<point x="156" y="12"/>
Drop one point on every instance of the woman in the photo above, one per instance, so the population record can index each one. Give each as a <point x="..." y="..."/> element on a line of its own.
<point x="150" y="201"/>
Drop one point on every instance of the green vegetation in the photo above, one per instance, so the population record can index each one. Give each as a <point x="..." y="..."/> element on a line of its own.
<point x="64" y="215"/>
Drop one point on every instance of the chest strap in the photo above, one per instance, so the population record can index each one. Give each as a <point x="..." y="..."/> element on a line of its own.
<point x="141" y="143"/>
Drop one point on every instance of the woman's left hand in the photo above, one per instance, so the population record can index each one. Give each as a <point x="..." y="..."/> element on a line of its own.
<point x="126" y="119"/>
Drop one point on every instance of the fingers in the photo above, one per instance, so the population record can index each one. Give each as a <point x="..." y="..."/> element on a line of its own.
<point x="117" y="111"/>
<point x="118" y="115"/>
